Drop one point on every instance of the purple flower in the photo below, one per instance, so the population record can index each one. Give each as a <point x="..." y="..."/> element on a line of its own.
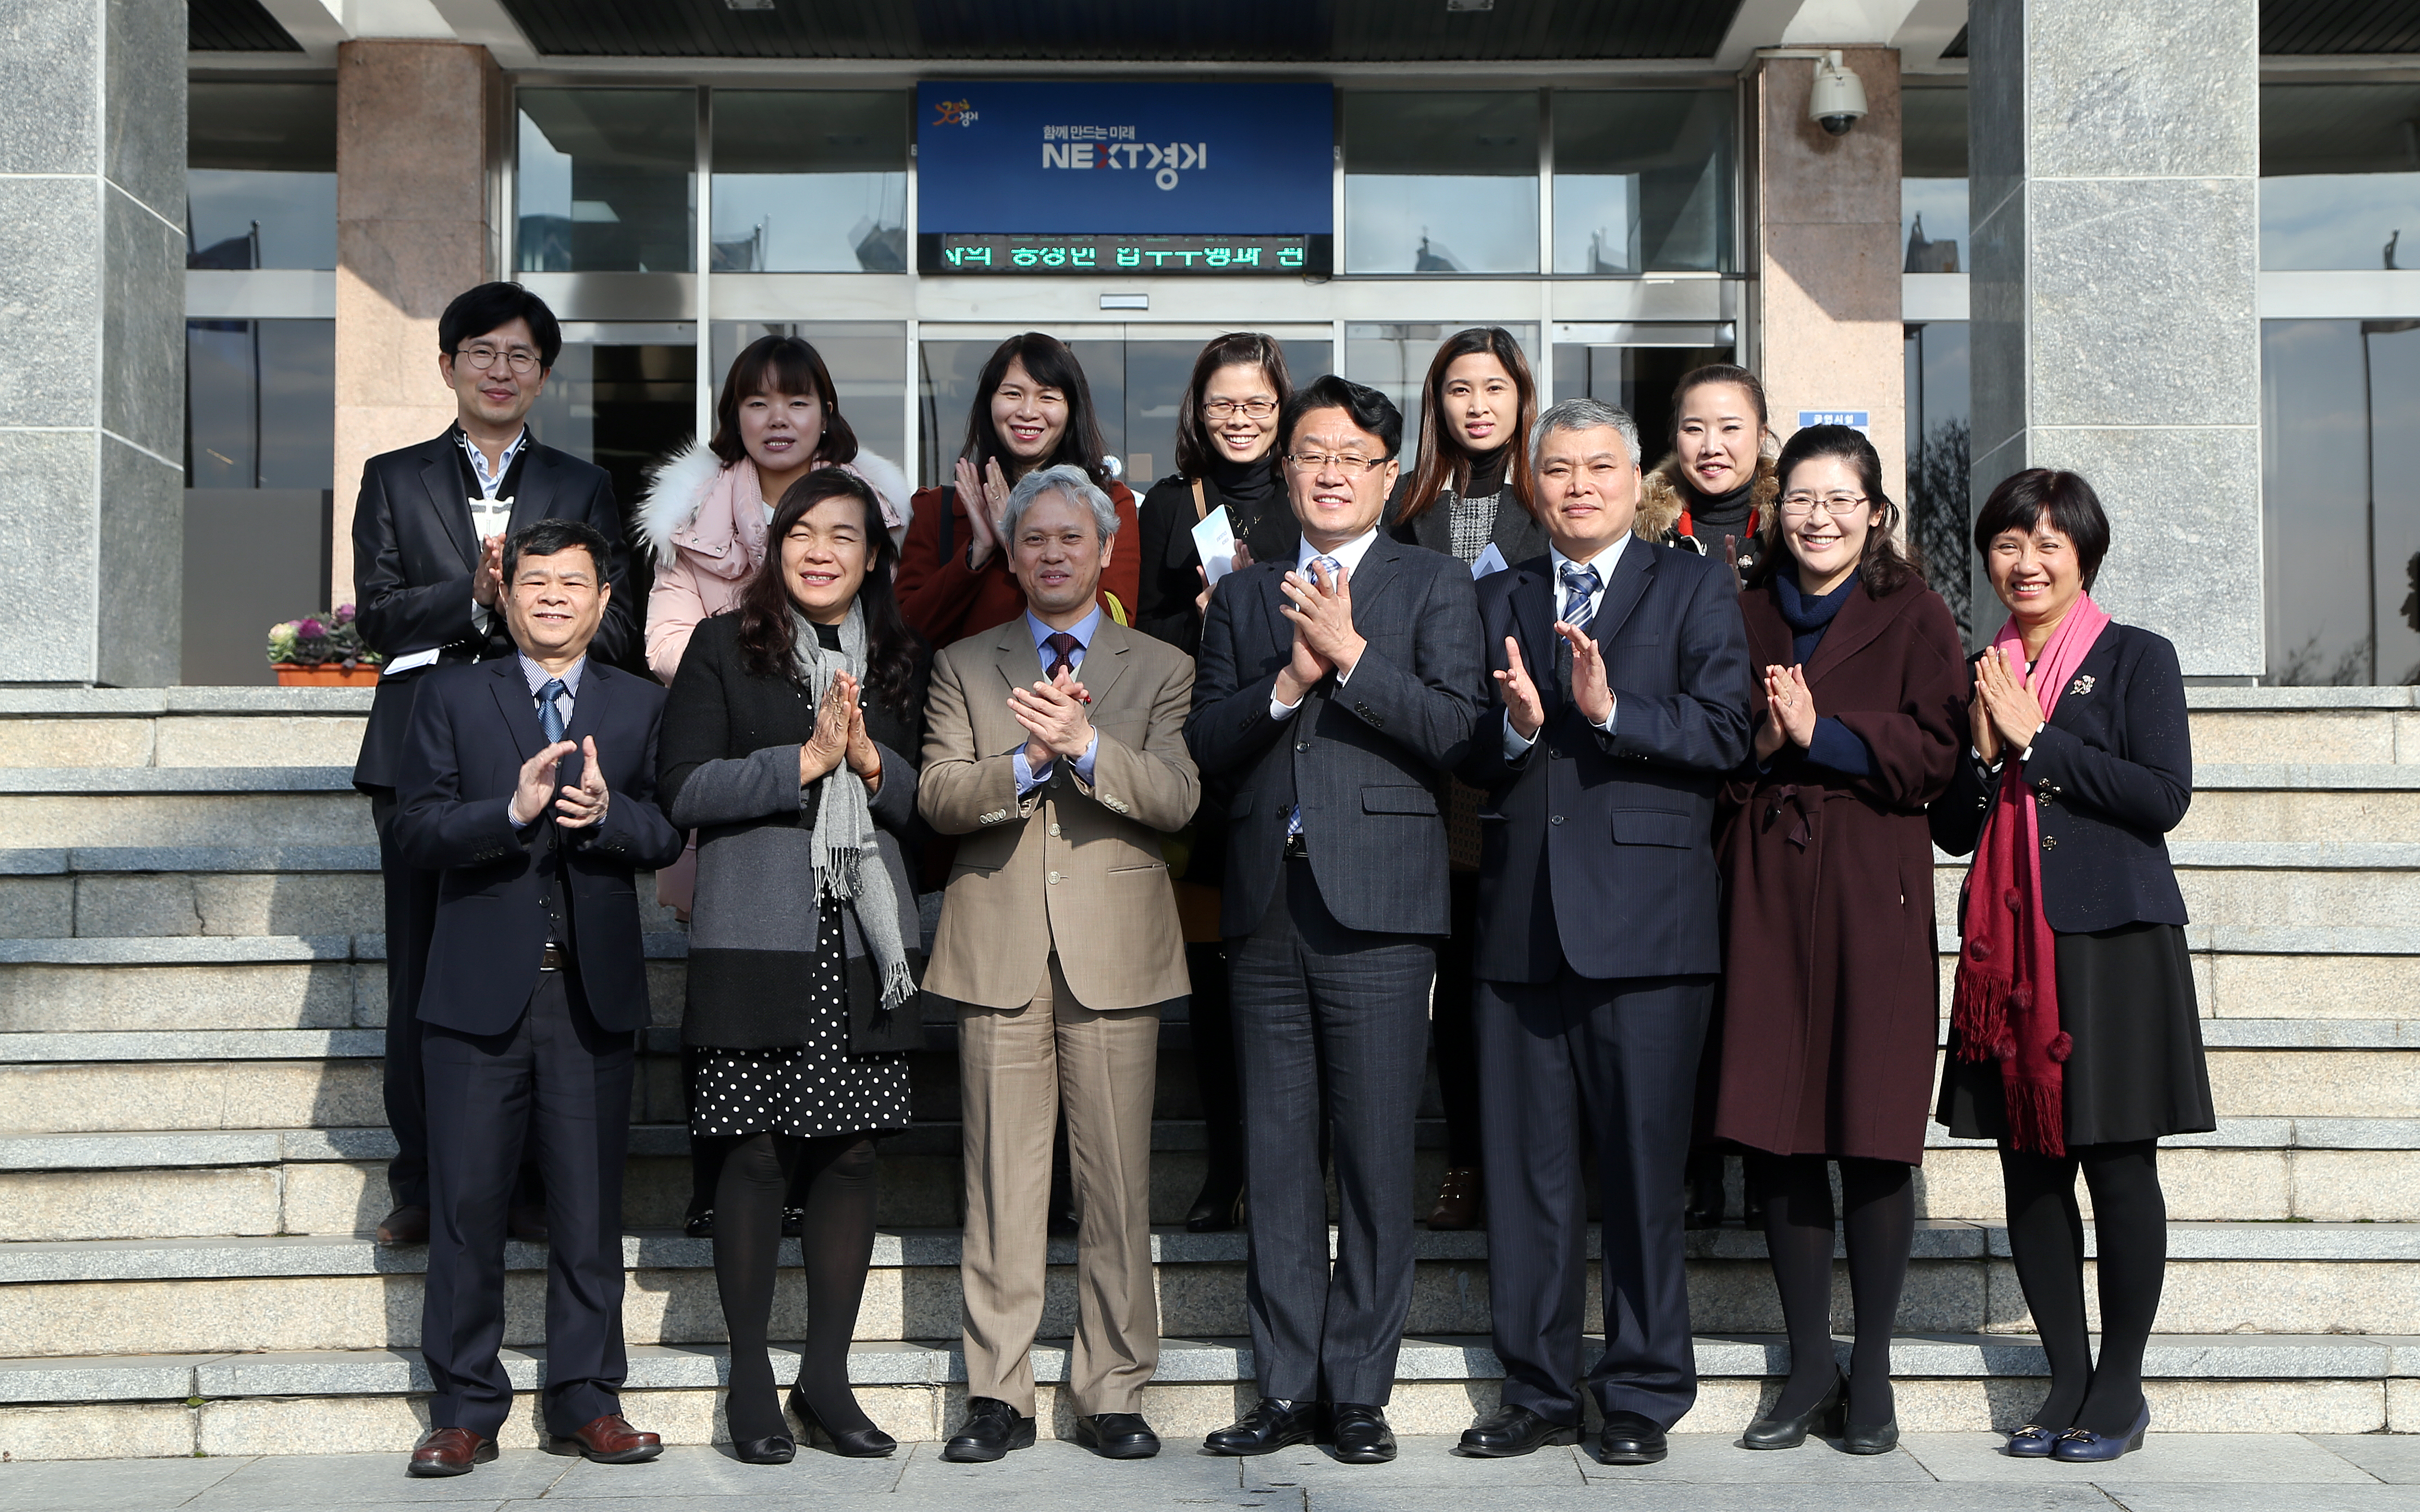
<point x="344" y="615"/>
<point x="311" y="630"/>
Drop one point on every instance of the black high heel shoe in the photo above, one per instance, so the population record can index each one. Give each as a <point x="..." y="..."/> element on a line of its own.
<point x="855" y="1443"/>
<point x="1825" y="1419"/>
<point x="1220" y="1208"/>
<point x="776" y="1449"/>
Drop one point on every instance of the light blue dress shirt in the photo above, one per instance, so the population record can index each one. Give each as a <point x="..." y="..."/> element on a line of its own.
<point x="1028" y="778"/>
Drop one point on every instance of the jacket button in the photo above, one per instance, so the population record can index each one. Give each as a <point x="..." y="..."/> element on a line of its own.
<point x="1054" y="831"/>
<point x="1054" y="876"/>
<point x="1556" y="820"/>
<point x="2049" y="842"/>
<point x="1302" y="745"/>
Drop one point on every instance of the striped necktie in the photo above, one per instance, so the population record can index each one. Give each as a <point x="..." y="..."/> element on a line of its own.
<point x="1579" y="587"/>
<point x="550" y="719"/>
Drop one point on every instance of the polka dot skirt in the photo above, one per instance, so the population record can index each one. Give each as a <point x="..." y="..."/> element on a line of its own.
<point x="811" y="1091"/>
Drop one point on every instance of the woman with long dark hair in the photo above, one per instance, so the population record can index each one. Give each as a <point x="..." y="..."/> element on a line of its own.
<point x="1831" y="1002"/>
<point x="790" y="742"/>
<point x="2074" y="1032"/>
<point x="1713" y="491"/>
<point x="1470" y="489"/>
<point x="1226" y="459"/>
<point x="1033" y="409"/>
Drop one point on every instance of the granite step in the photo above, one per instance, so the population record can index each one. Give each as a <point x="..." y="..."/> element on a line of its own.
<point x="182" y="726"/>
<point x="59" y="807"/>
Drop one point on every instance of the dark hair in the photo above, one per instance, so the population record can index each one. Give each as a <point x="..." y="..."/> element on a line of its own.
<point x="483" y="308"/>
<point x="550" y="536"/>
<point x="1886" y="565"/>
<point x="1443" y="456"/>
<point x="1239" y="348"/>
<point x="1370" y="409"/>
<point x="2024" y="500"/>
<point x="1711" y="373"/>
<point x="1049" y="364"/>
<point x="764" y="610"/>
<point x="779" y="364"/>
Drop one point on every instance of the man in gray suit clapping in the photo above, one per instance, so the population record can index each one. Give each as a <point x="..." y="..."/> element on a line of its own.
<point x="1332" y="693"/>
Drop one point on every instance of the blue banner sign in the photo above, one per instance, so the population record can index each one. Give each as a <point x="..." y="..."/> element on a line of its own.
<point x="1854" y="419"/>
<point x="1211" y="162"/>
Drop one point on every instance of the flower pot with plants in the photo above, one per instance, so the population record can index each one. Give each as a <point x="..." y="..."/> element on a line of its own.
<point x="322" y="651"/>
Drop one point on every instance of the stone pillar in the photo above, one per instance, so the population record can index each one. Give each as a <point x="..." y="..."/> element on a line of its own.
<point x="1827" y="264"/>
<point x="2115" y="161"/>
<point x="412" y="134"/>
<point x="92" y="341"/>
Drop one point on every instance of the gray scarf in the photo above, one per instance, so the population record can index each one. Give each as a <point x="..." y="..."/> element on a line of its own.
<point x="848" y="867"/>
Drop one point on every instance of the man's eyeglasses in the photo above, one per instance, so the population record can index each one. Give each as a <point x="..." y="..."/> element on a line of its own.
<point x="1345" y="463"/>
<point x="481" y="358"/>
<point x="1222" y="409"/>
<point x="1838" y="505"/>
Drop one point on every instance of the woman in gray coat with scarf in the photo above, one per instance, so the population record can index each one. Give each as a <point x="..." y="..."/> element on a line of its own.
<point x="790" y="745"/>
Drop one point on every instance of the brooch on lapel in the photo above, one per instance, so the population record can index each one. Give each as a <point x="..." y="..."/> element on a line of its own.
<point x="2080" y="686"/>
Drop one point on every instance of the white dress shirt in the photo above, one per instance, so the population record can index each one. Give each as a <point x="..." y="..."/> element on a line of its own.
<point x="1349" y="557"/>
<point x="1604" y="562"/>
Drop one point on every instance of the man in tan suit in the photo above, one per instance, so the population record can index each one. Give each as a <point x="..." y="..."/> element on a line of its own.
<point x="1055" y="744"/>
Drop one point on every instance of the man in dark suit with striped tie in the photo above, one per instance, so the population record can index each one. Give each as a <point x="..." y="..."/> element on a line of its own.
<point x="1333" y="693"/>
<point x="1621" y="702"/>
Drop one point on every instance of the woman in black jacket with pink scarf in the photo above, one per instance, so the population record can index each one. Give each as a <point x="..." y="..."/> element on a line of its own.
<point x="2074" y="1037"/>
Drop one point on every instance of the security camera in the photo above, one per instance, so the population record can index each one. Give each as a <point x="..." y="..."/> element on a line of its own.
<point x="1837" y="100"/>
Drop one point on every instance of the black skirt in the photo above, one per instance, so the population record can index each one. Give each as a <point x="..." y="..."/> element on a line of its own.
<point x="2126" y="999"/>
<point x="813" y="1090"/>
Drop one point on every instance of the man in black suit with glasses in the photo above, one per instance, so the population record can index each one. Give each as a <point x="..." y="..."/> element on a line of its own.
<point x="429" y="537"/>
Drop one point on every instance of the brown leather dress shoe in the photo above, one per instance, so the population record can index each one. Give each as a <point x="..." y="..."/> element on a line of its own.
<point x="608" y="1441"/>
<point x="1458" y="1199"/>
<point x="526" y="1222"/>
<point x="450" y="1451"/>
<point x="407" y="1224"/>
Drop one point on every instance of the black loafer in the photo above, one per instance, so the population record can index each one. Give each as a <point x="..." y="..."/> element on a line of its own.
<point x="774" y="1449"/>
<point x="1117" y="1436"/>
<point x="1628" y="1439"/>
<point x="1512" y="1431"/>
<point x="992" y="1429"/>
<point x="1362" y="1436"/>
<point x="699" y="1224"/>
<point x="1273" y="1424"/>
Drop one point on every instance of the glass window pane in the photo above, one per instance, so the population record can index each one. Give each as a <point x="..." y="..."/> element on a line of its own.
<point x="261" y="179"/>
<point x="1938" y="434"/>
<point x="1393" y="358"/>
<point x="1156" y="375"/>
<point x="2315" y="502"/>
<point x="2394" y="353"/>
<point x="1637" y="378"/>
<point x="2340" y="175"/>
<point x="623" y="396"/>
<point x="1932" y="185"/>
<point x="607" y="180"/>
<point x="868" y="362"/>
<point x="1441" y="183"/>
<point x="260" y="404"/>
<point x="810" y="182"/>
<point x="1642" y="181"/>
<point x="222" y="405"/>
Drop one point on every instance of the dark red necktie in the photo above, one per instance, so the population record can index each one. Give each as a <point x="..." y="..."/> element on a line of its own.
<point x="1063" y="647"/>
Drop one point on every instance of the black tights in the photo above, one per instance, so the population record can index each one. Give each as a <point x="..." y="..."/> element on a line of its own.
<point x="838" y="1244"/>
<point x="1879" y="1199"/>
<point x="2130" y="1224"/>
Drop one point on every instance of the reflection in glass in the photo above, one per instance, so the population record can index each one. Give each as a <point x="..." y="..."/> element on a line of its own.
<point x="623" y="396"/>
<point x="1393" y="358"/>
<point x="1642" y="181"/>
<point x="1441" y="183"/>
<point x="1939" y="439"/>
<point x="868" y="360"/>
<point x="260" y="404"/>
<point x="2339" y="176"/>
<point x="260" y="179"/>
<point x="1932" y="185"/>
<point x="607" y="180"/>
<point x="810" y="182"/>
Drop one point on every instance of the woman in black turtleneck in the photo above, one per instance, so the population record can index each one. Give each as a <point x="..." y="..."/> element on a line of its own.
<point x="1226" y="433"/>
<point x="1469" y="491"/>
<point x="1715" y="491"/>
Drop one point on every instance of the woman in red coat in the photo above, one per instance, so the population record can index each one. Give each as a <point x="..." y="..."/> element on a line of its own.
<point x="1831" y="998"/>
<point x="1033" y="409"/>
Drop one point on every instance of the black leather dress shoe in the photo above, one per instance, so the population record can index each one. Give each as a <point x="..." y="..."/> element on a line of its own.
<point x="526" y="1222"/>
<point x="699" y="1224"/>
<point x="1117" y="1436"/>
<point x="1826" y="1418"/>
<point x="407" y="1224"/>
<point x="1362" y="1436"/>
<point x="992" y="1429"/>
<point x="1221" y="1206"/>
<point x="776" y="1449"/>
<point x="1628" y="1439"/>
<point x="1512" y="1431"/>
<point x="1271" y="1425"/>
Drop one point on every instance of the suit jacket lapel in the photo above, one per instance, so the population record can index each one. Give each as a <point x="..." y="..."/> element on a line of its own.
<point x="1533" y="620"/>
<point x="1104" y="662"/>
<point x="442" y="478"/>
<point x="2100" y="664"/>
<point x="1852" y="630"/>
<point x="1376" y="571"/>
<point x="1631" y="576"/>
<point x="534" y="495"/>
<point x="519" y="711"/>
<point x="1013" y="654"/>
<point x="1266" y="597"/>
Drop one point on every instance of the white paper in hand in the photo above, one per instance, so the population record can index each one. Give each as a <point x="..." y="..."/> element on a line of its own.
<point x="1216" y="540"/>
<point x="1489" y="561"/>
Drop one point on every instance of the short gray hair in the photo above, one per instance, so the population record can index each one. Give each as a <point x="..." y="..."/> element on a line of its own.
<point x="1582" y="414"/>
<point x="1067" y="479"/>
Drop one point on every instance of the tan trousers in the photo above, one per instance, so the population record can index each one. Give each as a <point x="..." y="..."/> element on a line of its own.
<point x="1016" y="1066"/>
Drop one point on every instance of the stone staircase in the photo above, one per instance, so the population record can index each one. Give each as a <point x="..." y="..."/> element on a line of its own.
<point x="192" y="995"/>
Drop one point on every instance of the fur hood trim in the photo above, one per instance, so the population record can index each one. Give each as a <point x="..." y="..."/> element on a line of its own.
<point x="1661" y="496"/>
<point x="679" y="486"/>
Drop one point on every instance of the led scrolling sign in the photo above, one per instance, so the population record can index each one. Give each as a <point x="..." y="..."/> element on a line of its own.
<point x="1202" y="179"/>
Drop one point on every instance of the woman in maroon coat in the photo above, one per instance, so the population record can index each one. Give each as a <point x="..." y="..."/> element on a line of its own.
<point x="1831" y="1006"/>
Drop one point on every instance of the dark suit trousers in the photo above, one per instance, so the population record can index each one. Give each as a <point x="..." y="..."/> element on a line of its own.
<point x="565" y="1083"/>
<point x="1617" y="1061"/>
<point x="1332" y="1023"/>
<point x="411" y="923"/>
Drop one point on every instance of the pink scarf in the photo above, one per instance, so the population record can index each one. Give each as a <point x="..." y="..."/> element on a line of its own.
<point x="2005" y="1004"/>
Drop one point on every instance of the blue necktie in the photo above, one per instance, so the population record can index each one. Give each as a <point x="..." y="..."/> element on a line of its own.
<point x="1579" y="585"/>
<point x="550" y="719"/>
<point x="1334" y="569"/>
